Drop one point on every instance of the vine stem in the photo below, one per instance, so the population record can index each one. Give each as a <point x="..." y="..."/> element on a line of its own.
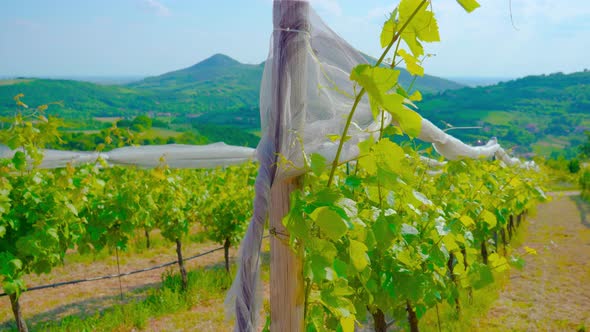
<point x="119" y="273"/>
<point x="438" y="318"/>
<point x="362" y="92"/>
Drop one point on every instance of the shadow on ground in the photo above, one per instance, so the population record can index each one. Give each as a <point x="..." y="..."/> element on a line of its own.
<point x="584" y="208"/>
<point x="85" y="308"/>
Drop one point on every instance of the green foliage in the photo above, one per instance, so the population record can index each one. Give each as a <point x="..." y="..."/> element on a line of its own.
<point x="121" y="202"/>
<point x="203" y="285"/>
<point x="226" y="205"/>
<point x="468" y="5"/>
<point x="573" y="166"/>
<point x="543" y="112"/>
<point x="386" y="232"/>
<point x="170" y="196"/>
<point x="584" y="148"/>
<point x="585" y="183"/>
<point x="385" y="235"/>
<point x="39" y="218"/>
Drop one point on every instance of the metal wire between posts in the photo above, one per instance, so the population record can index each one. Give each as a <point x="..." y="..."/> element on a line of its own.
<point x="111" y="276"/>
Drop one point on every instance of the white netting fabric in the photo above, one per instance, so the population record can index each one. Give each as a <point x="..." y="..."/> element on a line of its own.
<point x="326" y="95"/>
<point x="314" y="124"/>
<point x="174" y="155"/>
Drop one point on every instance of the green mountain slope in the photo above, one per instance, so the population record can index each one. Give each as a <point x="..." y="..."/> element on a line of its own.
<point x="539" y="114"/>
<point x="216" y="85"/>
<point x="79" y="99"/>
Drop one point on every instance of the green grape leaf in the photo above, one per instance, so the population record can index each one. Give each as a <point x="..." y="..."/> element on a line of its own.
<point x="353" y="181"/>
<point x="450" y="242"/>
<point x="347" y="324"/>
<point x="517" y="262"/>
<point x="498" y="262"/>
<point x="408" y="120"/>
<point x="480" y="275"/>
<point x="326" y="249"/>
<point x="411" y="63"/>
<point x="416" y="96"/>
<point x="489" y="218"/>
<point x="468" y="5"/>
<point x="2" y="231"/>
<point x="19" y="160"/>
<point x="409" y="232"/>
<point x="10" y="287"/>
<point x="340" y="267"/>
<point x="330" y="222"/>
<point x="387" y="155"/>
<point x="16" y="263"/>
<point x="320" y="268"/>
<point x="467" y="221"/>
<point x="358" y="255"/>
<point x="415" y="46"/>
<point x="318" y="163"/>
<point x="376" y="80"/>
<point x="340" y="305"/>
<point x="389" y="30"/>
<point x="438" y="257"/>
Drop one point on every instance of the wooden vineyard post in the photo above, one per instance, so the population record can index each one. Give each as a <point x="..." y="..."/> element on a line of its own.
<point x="290" y="21"/>
<point x="287" y="296"/>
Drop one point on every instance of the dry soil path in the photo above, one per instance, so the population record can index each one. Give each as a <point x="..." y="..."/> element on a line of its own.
<point x="552" y="292"/>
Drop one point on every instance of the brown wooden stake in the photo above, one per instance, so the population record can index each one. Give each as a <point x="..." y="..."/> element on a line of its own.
<point x="287" y="296"/>
<point x="450" y="267"/>
<point x="183" y="274"/>
<point x="147" y="238"/>
<point x="18" y="315"/>
<point x="412" y="318"/>
<point x="289" y="81"/>
<point x="484" y="252"/>
<point x="226" y="246"/>
<point x="119" y="273"/>
<point x="379" y="323"/>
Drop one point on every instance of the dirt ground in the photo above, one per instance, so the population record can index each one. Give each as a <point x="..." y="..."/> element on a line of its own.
<point x="552" y="292"/>
<point x="87" y="298"/>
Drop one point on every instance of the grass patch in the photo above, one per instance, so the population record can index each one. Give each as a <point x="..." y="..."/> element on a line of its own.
<point x="204" y="284"/>
<point x="471" y="310"/>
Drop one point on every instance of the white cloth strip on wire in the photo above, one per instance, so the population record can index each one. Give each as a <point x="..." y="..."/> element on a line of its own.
<point x="173" y="155"/>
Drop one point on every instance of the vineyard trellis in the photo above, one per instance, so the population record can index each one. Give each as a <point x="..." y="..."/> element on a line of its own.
<point x="124" y="274"/>
<point x="358" y="223"/>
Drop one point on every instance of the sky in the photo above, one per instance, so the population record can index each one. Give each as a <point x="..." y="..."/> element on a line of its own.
<point x="151" y="37"/>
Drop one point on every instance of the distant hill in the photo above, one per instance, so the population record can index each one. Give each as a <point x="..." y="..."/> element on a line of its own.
<point x="541" y="114"/>
<point x="217" y="85"/>
<point x="79" y="99"/>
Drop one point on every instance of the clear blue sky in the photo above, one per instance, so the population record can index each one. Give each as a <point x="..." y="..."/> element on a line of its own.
<point x="149" y="37"/>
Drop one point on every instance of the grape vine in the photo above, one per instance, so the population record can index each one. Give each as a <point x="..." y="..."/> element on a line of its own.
<point x="386" y="235"/>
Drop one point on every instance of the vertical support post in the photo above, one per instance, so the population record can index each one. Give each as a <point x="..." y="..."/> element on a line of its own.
<point x="287" y="295"/>
<point x="289" y="81"/>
